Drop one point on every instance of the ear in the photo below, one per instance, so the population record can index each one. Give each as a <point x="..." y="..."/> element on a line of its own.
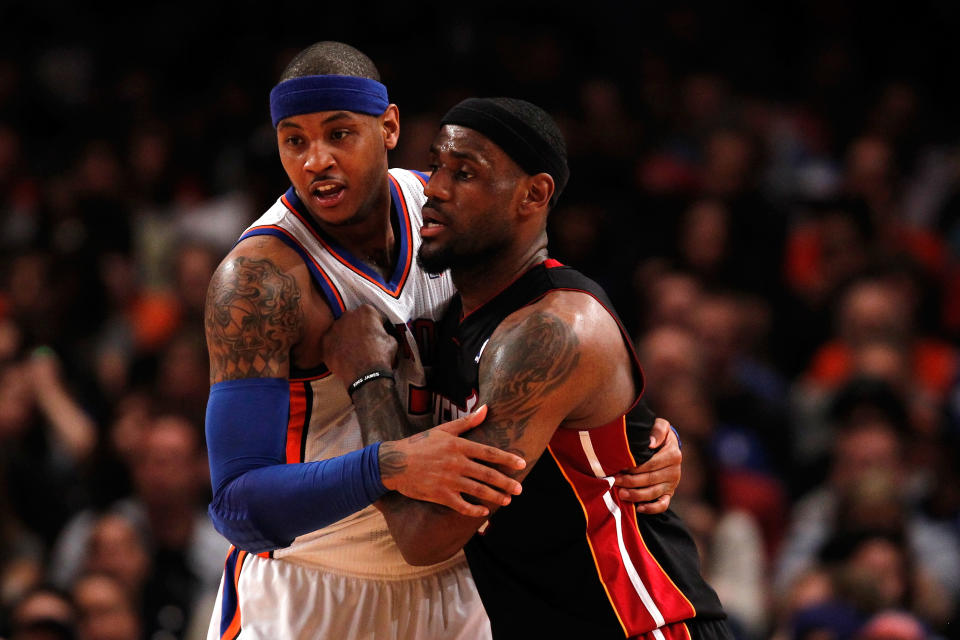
<point x="390" y="125"/>
<point x="539" y="190"/>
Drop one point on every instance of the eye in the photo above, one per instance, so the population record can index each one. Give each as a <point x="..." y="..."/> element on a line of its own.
<point x="293" y="141"/>
<point x="339" y="134"/>
<point x="463" y="175"/>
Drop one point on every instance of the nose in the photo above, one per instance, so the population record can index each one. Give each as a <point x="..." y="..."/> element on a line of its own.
<point x="319" y="158"/>
<point x="437" y="187"/>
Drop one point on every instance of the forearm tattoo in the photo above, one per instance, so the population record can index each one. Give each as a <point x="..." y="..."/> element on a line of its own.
<point x="253" y="317"/>
<point x="532" y="359"/>
<point x="380" y="413"/>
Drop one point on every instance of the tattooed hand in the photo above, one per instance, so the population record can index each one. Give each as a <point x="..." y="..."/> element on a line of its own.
<point x="438" y="466"/>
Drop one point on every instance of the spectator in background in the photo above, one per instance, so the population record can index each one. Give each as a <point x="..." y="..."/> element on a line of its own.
<point x="105" y="609"/>
<point x="704" y="242"/>
<point x="720" y="398"/>
<point x="839" y="128"/>
<point x="868" y="490"/>
<point x="149" y="325"/>
<point x="876" y="335"/>
<point x="181" y="375"/>
<point x="21" y="565"/>
<point x="45" y="440"/>
<point x="118" y="547"/>
<point x="893" y="625"/>
<point x="43" y="613"/>
<point x="672" y="298"/>
<point x="34" y="298"/>
<point x="830" y="243"/>
<point x="173" y="556"/>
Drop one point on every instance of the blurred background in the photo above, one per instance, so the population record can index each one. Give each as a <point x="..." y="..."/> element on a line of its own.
<point x="770" y="194"/>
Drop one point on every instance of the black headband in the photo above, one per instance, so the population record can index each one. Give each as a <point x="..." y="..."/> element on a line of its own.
<point x="524" y="144"/>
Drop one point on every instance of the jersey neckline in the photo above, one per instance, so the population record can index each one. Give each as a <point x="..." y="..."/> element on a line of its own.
<point x="548" y="263"/>
<point x="399" y="213"/>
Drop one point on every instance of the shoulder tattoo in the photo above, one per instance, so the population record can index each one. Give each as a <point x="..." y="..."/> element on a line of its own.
<point x="532" y="359"/>
<point x="253" y="316"/>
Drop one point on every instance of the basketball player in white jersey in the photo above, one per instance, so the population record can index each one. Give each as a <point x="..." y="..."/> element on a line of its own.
<point x="293" y="478"/>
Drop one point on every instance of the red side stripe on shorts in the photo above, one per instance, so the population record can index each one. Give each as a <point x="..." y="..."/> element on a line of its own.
<point x="640" y="592"/>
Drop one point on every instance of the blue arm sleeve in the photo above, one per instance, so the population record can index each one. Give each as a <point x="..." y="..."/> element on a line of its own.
<point x="259" y="502"/>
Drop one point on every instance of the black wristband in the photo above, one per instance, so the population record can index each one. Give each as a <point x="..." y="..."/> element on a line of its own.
<point x="368" y="377"/>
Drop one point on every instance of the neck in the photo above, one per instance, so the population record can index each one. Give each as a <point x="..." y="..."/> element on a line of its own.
<point x="479" y="284"/>
<point x="369" y="235"/>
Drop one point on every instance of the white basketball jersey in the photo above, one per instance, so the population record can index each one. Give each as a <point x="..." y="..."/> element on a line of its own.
<point x="322" y="422"/>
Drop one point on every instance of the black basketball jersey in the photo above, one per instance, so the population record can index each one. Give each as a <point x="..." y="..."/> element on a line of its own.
<point x="567" y="558"/>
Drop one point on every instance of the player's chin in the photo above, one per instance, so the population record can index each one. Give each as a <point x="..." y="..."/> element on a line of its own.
<point x="431" y="257"/>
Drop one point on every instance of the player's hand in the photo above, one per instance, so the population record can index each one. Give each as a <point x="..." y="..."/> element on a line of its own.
<point x="438" y="466"/>
<point x="358" y="343"/>
<point x="652" y="484"/>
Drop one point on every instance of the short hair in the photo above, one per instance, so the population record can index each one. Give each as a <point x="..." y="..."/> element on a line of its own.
<point x="330" y="58"/>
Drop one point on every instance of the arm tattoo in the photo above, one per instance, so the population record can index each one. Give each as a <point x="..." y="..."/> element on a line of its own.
<point x="380" y="413"/>
<point x="253" y="317"/>
<point x="532" y="359"/>
<point x="392" y="462"/>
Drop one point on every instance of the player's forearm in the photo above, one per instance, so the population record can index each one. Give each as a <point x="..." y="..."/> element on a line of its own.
<point x="426" y="533"/>
<point x="380" y="413"/>
<point x="266" y="508"/>
<point x="259" y="501"/>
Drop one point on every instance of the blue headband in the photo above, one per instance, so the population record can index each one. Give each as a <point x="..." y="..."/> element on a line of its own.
<point x="309" y="94"/>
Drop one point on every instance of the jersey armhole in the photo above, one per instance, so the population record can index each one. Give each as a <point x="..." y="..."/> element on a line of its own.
<point x="639" y="379"/>
<point x="329" y="290"/>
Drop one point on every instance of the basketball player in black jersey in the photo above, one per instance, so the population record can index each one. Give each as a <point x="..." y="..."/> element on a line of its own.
<point x="538" y="348"/>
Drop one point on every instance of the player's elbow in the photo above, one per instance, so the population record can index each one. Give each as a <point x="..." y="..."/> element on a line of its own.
<point x="422" y="553"/>
<point x="239" y="528"/>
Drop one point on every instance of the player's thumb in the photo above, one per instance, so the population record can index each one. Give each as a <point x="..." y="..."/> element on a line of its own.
<point x="658" y="434"/>
<point x="467" y="422"/>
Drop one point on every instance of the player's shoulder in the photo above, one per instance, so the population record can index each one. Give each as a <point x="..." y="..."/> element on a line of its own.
<point x="262" y="262"/>
<point x="264" y="249"/>
<point x="264" y="270"/>
<point x="573" y="316"/>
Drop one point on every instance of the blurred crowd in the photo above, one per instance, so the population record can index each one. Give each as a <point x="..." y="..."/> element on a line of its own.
<point x="770" y="196"/>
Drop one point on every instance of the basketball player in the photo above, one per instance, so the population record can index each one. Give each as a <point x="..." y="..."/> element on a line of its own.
<point x="538" y="348"/>
<point x="293" y="478"/>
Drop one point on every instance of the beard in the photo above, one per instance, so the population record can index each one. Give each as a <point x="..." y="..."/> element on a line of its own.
<point x="459" y="256"/>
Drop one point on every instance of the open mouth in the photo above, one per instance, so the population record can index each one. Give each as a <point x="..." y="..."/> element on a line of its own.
<point x="431" y="226"/>
<point x="327" y="193"/>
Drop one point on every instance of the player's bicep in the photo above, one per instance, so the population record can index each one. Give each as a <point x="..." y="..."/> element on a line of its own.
<point x="529" y="381"/>
<point x="253" y="317"/>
